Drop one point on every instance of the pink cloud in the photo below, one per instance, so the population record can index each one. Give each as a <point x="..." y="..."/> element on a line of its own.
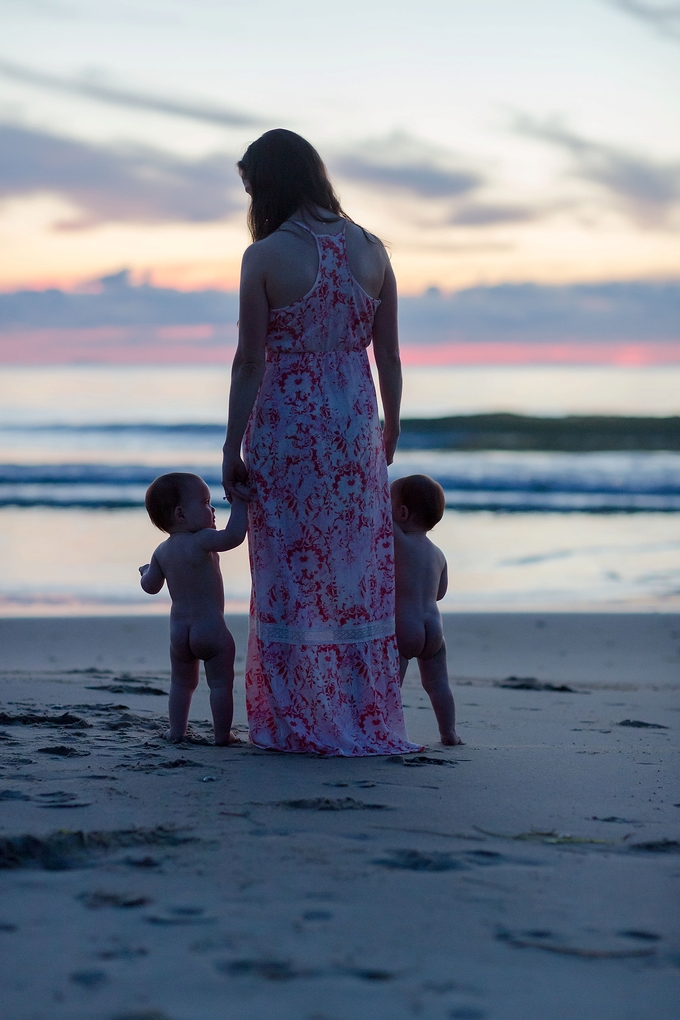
<point x="623" y="353"/>
<point x="207" y="344"/>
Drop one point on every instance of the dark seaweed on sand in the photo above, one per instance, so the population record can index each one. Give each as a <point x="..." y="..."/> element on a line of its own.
<point x="63" y="850"/>
<point x="175" y="763"/>
<point x="127" y="689"/>
<point x="530" y="683"/>
<point x="638" y="724"/>
<point x="328" y="804"/>
<point x="417" y="760"/>
<point x="657" y="846"/>
<point x="551" y="943"/>
<point x="62" y="751"/>
<point x="122" y="901"/>
<point x="415" y="860"/>
<point x="67" y="719"/>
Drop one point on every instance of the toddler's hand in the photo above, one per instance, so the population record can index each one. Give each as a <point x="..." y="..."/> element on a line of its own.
<point x="240" y="493"/>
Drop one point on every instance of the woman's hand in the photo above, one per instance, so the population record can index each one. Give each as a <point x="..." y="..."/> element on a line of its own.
<point x="234" y="477"/>
<point x="390" y="440"/>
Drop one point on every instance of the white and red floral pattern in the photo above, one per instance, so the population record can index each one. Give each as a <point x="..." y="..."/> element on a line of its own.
<point x="322" y="671"/>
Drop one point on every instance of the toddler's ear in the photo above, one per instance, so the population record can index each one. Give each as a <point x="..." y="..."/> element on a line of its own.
<point x="402" y="514"/>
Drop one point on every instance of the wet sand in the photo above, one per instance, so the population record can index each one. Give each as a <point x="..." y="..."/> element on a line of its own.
<point x="530" y="874"/>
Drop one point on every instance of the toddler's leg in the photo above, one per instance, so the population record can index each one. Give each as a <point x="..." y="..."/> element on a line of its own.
<point x="435" y="679"/>
<point x="403" y="666"/>
<point x="184" y="682"/>
<point x="219" y="672"/>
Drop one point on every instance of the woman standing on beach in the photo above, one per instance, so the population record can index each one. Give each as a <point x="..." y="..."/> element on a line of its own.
<point x="322" y="670"/>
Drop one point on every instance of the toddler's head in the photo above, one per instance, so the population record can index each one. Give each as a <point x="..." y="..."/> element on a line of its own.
<point x="179" y="501"/>
<point x="422" y="497"/>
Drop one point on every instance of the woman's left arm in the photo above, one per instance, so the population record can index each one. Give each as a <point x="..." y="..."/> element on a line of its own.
<point x="248" y="366"/>
<point x="388" y="363"/>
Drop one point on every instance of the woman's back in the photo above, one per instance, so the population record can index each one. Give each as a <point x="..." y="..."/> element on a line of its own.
<point x="289" y="259"/>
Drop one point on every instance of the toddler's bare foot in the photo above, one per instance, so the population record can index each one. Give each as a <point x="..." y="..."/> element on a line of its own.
<point x="451" y="739"/>
<point x="231" y="739"/>
<point x="168" y="735"/>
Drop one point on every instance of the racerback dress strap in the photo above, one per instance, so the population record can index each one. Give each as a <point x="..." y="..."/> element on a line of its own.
<point x="338" y="233"/>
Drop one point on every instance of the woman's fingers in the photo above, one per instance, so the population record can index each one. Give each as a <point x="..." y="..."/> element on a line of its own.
<point x="234" y="473"/>
<point x="235" y="479"/>
<point x="238" y="492"/>
<point x="390" y="440"/>
<point x="390" y="443"/>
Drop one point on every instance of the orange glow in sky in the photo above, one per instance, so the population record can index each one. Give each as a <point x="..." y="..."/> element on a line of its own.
<point x="504" y="140"/>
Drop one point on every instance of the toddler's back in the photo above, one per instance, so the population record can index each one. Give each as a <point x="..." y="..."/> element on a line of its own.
<point x="192" y="573"/>
<point x="419" y="571"/>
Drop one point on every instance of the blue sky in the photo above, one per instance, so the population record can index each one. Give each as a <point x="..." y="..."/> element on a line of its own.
<point x="505" y="140"/>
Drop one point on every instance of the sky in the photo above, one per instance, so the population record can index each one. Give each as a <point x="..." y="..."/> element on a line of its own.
<point x="487" y="142"/>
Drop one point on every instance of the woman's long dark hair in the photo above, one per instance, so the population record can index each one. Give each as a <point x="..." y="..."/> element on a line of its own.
<point x="285" y="173"/>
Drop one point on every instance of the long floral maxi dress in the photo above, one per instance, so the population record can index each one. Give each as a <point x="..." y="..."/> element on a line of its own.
<point x="322" y="670"/>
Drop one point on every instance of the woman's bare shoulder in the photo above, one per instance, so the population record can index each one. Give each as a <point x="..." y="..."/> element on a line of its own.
<point x="359" y="234"/>
<point x="257" y="259"/>
<point x="367" y="258"/>
<point x="261" y="249"/>
<point x="271" y="248"/>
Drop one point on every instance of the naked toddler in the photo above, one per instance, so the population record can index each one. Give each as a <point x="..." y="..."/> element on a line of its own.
<point x="421" y="580"/>
<point x="179" y="504"/>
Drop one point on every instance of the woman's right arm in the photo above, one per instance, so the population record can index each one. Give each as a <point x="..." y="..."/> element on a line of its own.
<point x="248" y="366"/>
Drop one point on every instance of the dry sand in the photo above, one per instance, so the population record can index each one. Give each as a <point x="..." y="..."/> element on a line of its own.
<point x="531" y="874"/>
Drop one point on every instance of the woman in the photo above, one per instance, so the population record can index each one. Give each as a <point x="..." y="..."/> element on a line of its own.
<point x="322" y="670"/>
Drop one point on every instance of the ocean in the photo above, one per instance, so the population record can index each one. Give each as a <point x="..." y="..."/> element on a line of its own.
<point x="524" y="529"/>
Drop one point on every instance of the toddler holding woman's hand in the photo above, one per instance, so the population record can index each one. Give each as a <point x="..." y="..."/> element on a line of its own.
<point x="179" y="504"/>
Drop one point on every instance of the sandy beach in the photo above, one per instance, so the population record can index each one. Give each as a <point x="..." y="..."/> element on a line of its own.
<point x="531" y="874"/>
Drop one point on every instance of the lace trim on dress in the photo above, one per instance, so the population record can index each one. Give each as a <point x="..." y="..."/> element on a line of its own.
<point x="330" y="634"/>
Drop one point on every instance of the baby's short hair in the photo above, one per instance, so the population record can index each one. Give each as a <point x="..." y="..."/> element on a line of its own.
<point x="423" y="497"/>
<point x="164" y="494"/>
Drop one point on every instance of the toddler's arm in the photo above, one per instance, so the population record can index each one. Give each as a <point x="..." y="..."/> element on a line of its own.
<point x="232" y="535"/>
<point x="152" y="576"/>
<point x="443" y="582"/>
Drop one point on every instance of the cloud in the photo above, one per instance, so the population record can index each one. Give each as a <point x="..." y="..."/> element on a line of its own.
<point x="478" y="214"/>
<point x="103" y="93"/>
<point x="648" y="190"/>
<point x="664" y="17"/>
<point x="419" y="170"/>
<point x="420" y="179"/>
<point x="614" y="311"/>
<point x="402" y="163"/>
<point x="110" y="184"/>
